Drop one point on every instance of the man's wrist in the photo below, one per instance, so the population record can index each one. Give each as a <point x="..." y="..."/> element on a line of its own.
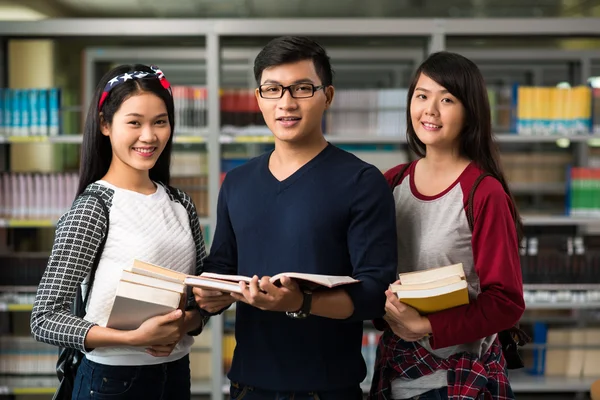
<point x="191" y="320"/>
<point x="299" y="303"/>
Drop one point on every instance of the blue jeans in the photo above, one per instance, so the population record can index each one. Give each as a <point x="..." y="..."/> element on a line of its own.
<point x="239" y="391"/>
<point x="168" y="381"/>
<point x="435" y="394"/>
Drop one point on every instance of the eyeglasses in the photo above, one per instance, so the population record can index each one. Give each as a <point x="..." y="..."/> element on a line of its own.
<point x="298" y="91"/>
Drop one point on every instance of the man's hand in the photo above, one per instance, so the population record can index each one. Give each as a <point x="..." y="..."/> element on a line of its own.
<point x="262" y="294"/>
<point x="405" y="321"/>
<point x="211" y="300"/>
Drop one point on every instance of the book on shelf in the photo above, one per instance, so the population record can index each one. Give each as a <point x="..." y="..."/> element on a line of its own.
<point x="30" y="112"/>
<point x="433" y="289"/>
<point x="543" y="110"/>
<point x="146" y="290"/>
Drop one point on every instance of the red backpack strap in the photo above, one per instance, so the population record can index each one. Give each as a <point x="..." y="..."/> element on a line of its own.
<point x="399" y="175"/>
<point x="470" y="217"/>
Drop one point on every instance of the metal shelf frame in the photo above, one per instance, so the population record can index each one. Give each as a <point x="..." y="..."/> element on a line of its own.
<point x="175" y="27"/>
<point x="214" y="57"/>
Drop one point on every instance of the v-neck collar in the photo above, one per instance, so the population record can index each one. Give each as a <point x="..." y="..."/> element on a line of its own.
<point x="285" y="183"/>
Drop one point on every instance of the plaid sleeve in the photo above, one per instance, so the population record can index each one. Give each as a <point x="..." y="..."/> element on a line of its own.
<point x="79" y="233"/>
<point x="200" y="254"/>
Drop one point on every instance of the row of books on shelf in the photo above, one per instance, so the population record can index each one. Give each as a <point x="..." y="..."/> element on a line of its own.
<point x="560" y="259"/>
<point x="30" y="112"/>
<point x="557" y="110"/>
<point x="14" y="297"/>
<point x="36" y="195"/>
<point x="22" y="268"/>
<point x="561" y="298"/>
<point x="564" y="351"/>
<point x="365" y="112"/>
<point x="197" y="188"/>
<point x="23" y="355"/>
<point x="41" y="196"/>
<point x="584" y="192"/>
<point x="376" y="112"/>
<point x="536" y="167"/>
<point x="190" y="109"/>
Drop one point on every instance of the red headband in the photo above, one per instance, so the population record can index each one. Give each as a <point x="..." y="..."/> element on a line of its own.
<point x="117" y="80"/>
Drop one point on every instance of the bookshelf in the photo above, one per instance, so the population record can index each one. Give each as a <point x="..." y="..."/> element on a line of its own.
<point x="368" y="54"/>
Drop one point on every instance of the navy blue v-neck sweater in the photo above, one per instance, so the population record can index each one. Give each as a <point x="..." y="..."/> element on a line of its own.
<point x="334" y="216"/>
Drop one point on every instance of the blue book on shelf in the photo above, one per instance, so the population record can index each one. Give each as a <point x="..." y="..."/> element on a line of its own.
<point x="7" y="111"/>
<point x="2" y="127"/>
<point x="34" y="112"/>
<point x="16" y="113"/>
<point x="514" y="104"/>
<point x="540" y="333"/>
<point x="43" y="112"/>
<point x="54" y="111"/>
<point x="25" y="116"/>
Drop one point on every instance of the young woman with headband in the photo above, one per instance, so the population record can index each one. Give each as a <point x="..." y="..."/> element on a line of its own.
<point x="125" y="162"/>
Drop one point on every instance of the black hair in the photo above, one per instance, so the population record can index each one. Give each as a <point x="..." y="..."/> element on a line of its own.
<point x="96" y="150"/>
<point x="463" y="79"/>
<point x="291" y="49"/>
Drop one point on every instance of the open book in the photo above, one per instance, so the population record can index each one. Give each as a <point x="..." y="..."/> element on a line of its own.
<point x="146" y="290"/>
<point x="212" y="280"/>
<point x="433" y="289"/>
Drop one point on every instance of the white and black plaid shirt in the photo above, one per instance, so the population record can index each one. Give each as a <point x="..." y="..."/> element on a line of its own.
<point x="79" y="233"/>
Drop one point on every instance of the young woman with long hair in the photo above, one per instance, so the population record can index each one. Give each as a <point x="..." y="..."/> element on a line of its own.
<point x="453" y="353"/>
<point x="125" y="161"/>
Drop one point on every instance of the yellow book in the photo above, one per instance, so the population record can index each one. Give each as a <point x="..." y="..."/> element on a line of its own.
<point x="433" y="289"/>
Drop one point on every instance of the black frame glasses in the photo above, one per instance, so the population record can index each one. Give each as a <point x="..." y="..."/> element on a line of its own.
<point x="293" y="89"/>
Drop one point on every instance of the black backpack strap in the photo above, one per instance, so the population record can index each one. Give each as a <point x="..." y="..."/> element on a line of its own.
<point x="97" y="256"/>
<point x="514" y="337"/>
<point x="399" y="175"/>
<point x="174" y="193"/>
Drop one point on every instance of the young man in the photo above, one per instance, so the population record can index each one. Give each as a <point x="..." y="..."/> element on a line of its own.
<point x="310" y="207"/>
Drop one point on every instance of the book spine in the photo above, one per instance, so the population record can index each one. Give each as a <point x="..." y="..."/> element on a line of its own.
<point x="54" y="111"/>
<point x="34" y="112"/>
<point x="43" y="113"/>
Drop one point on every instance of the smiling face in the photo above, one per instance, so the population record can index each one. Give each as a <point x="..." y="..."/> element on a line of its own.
<point x="294" y="119"/>
<point x="437" y="116"/>
<point x="138" y="133"/>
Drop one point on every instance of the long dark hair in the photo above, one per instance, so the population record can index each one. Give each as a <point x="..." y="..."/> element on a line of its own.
<point x="96" y="151"/>
<point x="463" y="79"/>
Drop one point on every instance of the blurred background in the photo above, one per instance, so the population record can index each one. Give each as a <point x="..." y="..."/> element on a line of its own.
<point x="541" y="62"/>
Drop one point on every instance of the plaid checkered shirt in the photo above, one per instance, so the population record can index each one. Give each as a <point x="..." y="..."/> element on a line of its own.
<point x="469" y="377"/>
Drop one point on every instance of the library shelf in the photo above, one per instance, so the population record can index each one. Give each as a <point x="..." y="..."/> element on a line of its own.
<point x="559" y="220"/>
<point x="16" y="307"/>
<point x="522" y="382"/>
